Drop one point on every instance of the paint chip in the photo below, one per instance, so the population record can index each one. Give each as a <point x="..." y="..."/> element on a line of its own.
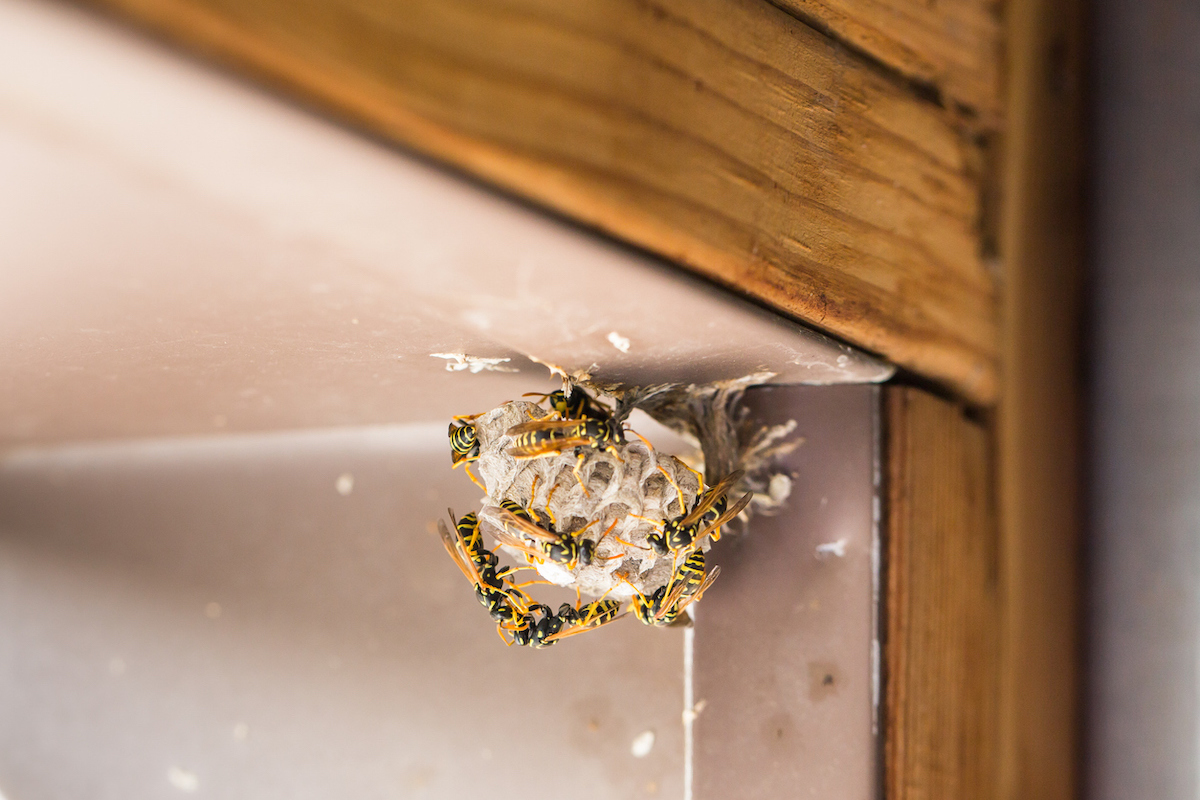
<point x="837" y="548"/>
<point x="457" y="362"/>
<point x="642" y="744"/>
<point x="344" y="484"/>
<point x="618" y="341"/>
<point x="183" y="780"/>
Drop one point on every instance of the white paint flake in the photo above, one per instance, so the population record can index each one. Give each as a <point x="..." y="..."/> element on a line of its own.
<point x="618" y="341"/>
<point x="837" y="548"/>
<point x="344" y="484"/>
<point x="642" y="744"/>
<point x="457" y="362"/>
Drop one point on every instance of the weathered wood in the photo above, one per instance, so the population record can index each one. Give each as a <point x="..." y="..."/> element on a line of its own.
<point x="1039" y="420"/>
<point x="942" y="604"/>
<point x="727" y="136"/>
<point x="953" y="45"/>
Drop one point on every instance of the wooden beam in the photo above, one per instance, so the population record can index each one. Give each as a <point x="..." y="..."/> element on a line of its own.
<point x="942" y="603"/>
<point x="727" y="136"/>
<point x="1039" y="416"/>
<point x="951" y="45"/>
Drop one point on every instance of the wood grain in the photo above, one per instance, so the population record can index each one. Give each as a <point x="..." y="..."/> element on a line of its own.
<point x="1039" y="415"/>
<point x="952" y="45"/>
<point x="726" y="136"/>
<point x="942" y="604"/>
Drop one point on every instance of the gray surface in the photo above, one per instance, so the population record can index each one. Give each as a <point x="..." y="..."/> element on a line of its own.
<point x="1143" y="714"/>
<point x="348" y="644"/>
<point x="348" y="657"/>
<point x="783" y="661"/>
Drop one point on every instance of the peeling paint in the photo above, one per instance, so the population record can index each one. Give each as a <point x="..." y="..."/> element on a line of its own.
<point x="618" y="341"/>
<point x="837" y="548"/>
<point x="457" y="362"/>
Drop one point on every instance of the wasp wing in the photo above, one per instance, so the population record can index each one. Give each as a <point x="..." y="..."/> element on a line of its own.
<point x="676" y="594"/>
<point x="710" y="497"/>
<point x="729" y="514"/>
<point x="507" y="539"/>
<point x="545" y="448"/>
<point x="574" y="629"/>
<point x="453" y="544"/>
<point x="536" y="425"/>
<point x="528" y="528"/>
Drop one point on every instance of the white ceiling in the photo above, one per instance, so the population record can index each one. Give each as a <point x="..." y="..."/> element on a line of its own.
<point x="183" y="254"/>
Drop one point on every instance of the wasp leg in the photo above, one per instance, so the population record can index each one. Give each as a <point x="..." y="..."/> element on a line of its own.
<point x="579" y="477"/>
<point x="474" y="480"/>
<point x="530" y="583"/>
<point x="699" y="477"/>
<point x="606" y="594"/>
<point x="549" y="513"/>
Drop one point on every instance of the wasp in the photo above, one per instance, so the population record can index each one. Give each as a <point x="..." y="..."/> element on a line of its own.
<point x="541" y="437"/>
<point x="667" y="604"/>
<point x="464" y="446"/>
<point x="527" y="630"/>
<point x="577" y="404"/>
<point x="707" y="516"/>
<point x="505" y="604"/>
<point x="568" y="549"/>
<point x="589" y="617"/>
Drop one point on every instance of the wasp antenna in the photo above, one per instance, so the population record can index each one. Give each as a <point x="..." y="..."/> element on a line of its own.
<point x="645" y="441"/>
<point x="630" y="544"/>
<point x="584" y="528"/>
<point x="530" y="583"/>
<point x="655" y="522"/>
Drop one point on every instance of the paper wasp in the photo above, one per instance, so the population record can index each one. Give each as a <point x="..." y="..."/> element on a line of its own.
<point x="688" y="583"/>
<point x="707" y="516"/>
<point x="578" y="404"/>
<point x="589" y="617"/>
<point x="540" y="437"/>
<point x="528" y="631"/>
<point x="478" y="565"/>
<point x="464" y="446"/>
<point x="568" y="549"/>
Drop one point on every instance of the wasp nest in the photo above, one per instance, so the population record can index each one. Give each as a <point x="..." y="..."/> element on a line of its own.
<point x="604" y="496"/>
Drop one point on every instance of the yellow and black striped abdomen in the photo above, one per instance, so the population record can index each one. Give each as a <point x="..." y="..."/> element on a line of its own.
<point x="464" y="446"/>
